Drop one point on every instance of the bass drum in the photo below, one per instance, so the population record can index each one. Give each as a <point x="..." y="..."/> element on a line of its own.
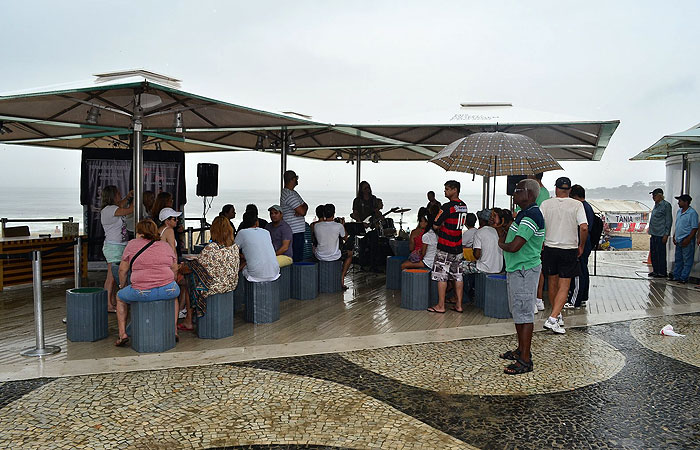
<point x="387" y="228"/>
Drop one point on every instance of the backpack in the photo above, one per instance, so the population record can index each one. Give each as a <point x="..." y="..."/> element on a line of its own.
<point x="596" y="231"/>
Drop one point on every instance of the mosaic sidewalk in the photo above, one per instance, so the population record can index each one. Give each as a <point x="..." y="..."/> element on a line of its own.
<point x="620" y="385"/>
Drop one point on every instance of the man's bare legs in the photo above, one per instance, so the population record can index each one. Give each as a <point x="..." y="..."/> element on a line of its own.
<point x="558" y="291"/>
<point x="459" y="290"/>
<point x="442" y="288"/>
<point x="524" y="331"/>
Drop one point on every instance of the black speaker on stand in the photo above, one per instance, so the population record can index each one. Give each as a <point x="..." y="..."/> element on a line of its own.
<point x="207" y="186"/>
<point x="513" y="181"/>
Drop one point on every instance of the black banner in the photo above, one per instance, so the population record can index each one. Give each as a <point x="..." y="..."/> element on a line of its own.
<point x="162" y="172"/>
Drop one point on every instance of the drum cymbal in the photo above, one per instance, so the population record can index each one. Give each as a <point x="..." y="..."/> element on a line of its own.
<point x="401" y="210"/>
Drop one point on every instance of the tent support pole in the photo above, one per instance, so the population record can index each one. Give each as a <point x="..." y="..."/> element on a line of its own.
<point x="358" y="177"/>
<point x="283" y="155"/>
<point x="137" y="159"/>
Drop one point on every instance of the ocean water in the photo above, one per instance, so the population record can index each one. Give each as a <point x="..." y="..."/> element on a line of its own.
<point x="24" y="203"/>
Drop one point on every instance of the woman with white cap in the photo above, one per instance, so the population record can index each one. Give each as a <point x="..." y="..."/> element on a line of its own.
<point x="168" y="218"/>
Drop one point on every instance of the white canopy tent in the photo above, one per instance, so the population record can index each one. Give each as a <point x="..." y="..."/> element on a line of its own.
<point x="140" y="110"/>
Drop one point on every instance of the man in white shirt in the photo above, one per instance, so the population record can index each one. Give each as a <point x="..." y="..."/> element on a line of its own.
<point x="294" y="209"/>
<point x="566" y="230"/>
<point x="329" y="237"/>
<point x="489" y="256"/>
<point x="256" y="246"/>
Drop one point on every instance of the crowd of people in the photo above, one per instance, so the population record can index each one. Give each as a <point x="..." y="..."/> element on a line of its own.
<point x="547" y="237"/>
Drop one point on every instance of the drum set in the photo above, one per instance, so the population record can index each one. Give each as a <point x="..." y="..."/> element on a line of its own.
<point x="374" y="244"/>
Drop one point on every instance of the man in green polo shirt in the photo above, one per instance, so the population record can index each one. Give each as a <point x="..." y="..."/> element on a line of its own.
<point x="521" y="247"/>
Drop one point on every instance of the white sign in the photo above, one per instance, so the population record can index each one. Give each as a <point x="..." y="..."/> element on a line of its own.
<point x="624" y="218"/>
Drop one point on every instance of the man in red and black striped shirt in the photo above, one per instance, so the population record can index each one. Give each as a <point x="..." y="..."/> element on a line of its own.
<point x="448" y="258"/>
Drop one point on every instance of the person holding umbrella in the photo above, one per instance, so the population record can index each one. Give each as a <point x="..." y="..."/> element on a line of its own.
<point x="521" y="243"/>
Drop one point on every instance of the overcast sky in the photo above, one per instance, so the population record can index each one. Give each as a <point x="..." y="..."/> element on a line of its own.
<point x="635" y="61"/>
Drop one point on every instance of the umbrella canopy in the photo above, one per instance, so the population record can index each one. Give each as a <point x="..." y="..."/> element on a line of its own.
<point x="421" y="136"/>
<point x="495" y="154"/>
<point x="681" y="143"/>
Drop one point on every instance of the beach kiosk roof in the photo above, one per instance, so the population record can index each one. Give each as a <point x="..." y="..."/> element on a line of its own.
<point x="143" y="110"/>
<point x="681" y="143"/>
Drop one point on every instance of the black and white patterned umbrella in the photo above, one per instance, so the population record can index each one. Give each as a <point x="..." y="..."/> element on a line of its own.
<point x="495" y="154"/>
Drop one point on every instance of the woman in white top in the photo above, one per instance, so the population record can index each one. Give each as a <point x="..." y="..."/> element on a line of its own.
<point x="114" y="208"/>
<point x="168" y="219"/>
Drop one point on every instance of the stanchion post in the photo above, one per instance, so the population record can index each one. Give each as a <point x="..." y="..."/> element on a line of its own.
<point x="40" y="349"/>
<point x="77" y="253"/>
<point x="190" y="235"/>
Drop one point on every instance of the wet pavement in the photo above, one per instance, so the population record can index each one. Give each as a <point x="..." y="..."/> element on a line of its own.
<point x="618" y="385"/>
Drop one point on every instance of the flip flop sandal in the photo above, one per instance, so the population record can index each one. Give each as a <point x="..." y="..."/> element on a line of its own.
<point x="433" y="310"/>
<point x="457" y="310"/>
<point x="122" y="342"/>
<point x="518" y="367"/>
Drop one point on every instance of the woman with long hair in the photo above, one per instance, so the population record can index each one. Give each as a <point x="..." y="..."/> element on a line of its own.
<point x="416" y="246"/>
<point x="214" y="271"/>
<point x="153" y="267"/>
<point x="114" y="210"/>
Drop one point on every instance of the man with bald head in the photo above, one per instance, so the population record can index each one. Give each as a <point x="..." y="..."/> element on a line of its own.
<point x="521" y="246"/>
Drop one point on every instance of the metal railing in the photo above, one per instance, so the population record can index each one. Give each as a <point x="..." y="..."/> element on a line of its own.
<point x="35" y="256"/>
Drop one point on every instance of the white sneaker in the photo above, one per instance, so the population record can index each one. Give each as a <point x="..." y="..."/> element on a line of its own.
<point x="536" y="309"/>
<point x="568" y="305"/>
<point x="560" y="320"/>
<point x="182" y="314"/>
<point x="540" y="304"/>
<point x="554" y="326"/>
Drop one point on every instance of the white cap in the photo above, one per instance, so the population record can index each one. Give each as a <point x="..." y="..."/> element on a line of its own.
<point x="168" y="212"/>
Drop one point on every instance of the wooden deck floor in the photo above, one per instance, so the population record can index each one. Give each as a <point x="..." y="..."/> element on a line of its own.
<point x="621" y="290"/>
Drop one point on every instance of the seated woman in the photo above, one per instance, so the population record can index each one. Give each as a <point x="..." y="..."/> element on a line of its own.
<point x="153" y="267"/>
<point x="214" y="271"/>
<point x="429" y="240"/>
<point x="415" y="245"/>
<point x="168" y="219"/>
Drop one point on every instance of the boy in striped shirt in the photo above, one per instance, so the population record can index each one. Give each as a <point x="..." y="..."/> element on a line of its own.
<point x="448" y="259"/>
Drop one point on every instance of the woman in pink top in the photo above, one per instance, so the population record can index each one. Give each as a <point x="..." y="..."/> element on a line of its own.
<point x="152" y="274"/>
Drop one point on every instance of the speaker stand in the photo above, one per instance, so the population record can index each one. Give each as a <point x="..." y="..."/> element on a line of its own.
<point x="202" y="222"/>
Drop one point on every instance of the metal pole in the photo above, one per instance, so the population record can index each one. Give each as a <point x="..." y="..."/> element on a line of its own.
<point x="77" y="251"/>
<point x="137" y="163"/>
<point x="283" y="155"/>
<point x="358" y="177"/>
<point x="485" y="190"/>
<point x="190" y="234"/>
<point x="137" y="158"/>
<point x="40" y="349"/>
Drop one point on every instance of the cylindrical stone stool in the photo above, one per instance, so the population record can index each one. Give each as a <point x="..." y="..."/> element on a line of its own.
<point x="217" y="322"/>
<point x="239" y="294"/>
<point x="414" y="289"/>
<point x="433" y="290"/>
<point x="304" y="280"/>
<point x="393" y="271"/>
<point x="153" y="326"/>
<point x="262" y="302"/>
<point x="285" y="282"/>
<point x="496" y="298"/>
<point x="479" y="293"/>
<point x="86" y="314"/>
<point x="329" y="276"/>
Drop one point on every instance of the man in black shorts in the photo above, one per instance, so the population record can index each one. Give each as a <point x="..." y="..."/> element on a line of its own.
<point x="566" y="230"/>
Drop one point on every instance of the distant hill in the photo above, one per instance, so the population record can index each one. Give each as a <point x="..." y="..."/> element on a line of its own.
<point x="637" y="191"/>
